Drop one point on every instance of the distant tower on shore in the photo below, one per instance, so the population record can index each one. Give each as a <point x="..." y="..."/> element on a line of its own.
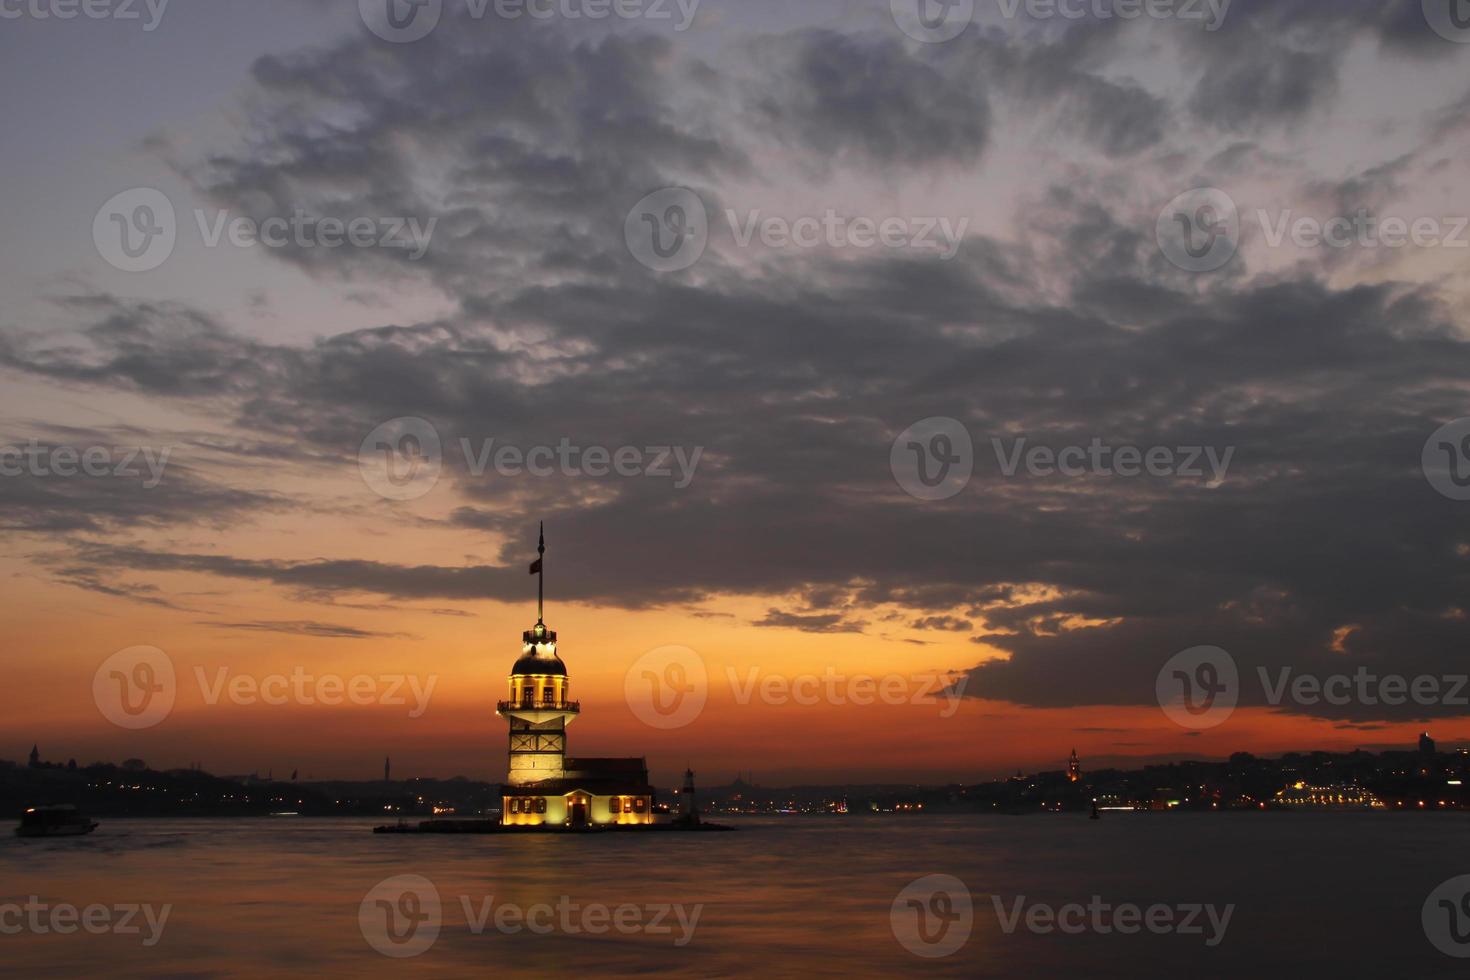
<point x="1074" y="767"/>
<point x="387" y="768"/>
<point x="1426" y="744"/>
<point x="35" y="757"/>
<point x="688" y="802"/>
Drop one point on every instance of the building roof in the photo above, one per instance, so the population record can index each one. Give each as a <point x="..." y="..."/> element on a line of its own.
<point x="625" y="770"/>
<point x="595" y="787"/>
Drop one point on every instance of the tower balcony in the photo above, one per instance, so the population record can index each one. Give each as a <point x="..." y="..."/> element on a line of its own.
<point x="538" y="710"/>
<point x="538" y="704"/>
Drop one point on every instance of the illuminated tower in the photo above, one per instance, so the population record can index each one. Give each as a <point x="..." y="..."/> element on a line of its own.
<point x="538" y="710"/>
<point x="1074" y="767"/>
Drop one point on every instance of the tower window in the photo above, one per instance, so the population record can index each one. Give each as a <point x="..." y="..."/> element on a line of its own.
<point x="638" y="804"/>
<point x="615" y="805"/>
<point x="541" y="805"/>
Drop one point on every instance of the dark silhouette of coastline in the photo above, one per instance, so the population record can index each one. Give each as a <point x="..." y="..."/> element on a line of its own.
<point x="1394" y="781"/>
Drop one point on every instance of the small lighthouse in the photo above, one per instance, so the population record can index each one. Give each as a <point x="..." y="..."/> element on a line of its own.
<point x="688" y="802"/>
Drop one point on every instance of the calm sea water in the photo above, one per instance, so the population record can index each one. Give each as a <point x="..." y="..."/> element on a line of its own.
<point x="1319" y="895"/>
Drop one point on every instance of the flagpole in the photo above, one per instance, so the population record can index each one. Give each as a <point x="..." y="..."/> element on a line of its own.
<point x="541" y="577"/>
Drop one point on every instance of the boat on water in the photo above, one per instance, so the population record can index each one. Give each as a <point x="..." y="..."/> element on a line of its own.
<point x="54" y="821"/>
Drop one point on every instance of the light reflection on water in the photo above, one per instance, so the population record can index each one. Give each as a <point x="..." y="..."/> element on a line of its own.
<point x="1315" y="895"/>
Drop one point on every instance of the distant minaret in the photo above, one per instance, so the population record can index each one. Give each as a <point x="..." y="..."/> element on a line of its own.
<point x="387" y="768"/>
<point x="688" y="803"/>
<point x="35" y="757"/>
<point x="1074" y="767"/>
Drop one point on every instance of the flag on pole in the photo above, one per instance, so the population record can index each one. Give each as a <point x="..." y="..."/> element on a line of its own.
<point x="536" y="567"/>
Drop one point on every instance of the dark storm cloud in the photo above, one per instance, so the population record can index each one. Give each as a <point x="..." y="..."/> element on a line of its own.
<point x="797" y="375"/>
<point x="307" y="628"/>
<point x="1275" y="63"/>
<point x="814" y="623"/>
<point x="867" y="99"/>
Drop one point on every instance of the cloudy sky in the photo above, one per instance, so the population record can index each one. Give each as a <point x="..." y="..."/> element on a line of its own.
<point x="779" y="267"/>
